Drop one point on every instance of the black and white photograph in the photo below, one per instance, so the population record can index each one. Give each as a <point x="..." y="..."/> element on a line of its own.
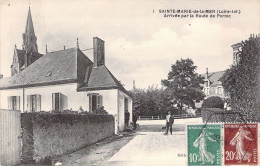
<point x="116" y="83"/>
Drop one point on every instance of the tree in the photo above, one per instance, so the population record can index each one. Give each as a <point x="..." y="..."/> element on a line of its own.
<point x="184" y="84"/>
<point x="151" y="102"/>
<point x="241" y="81"/>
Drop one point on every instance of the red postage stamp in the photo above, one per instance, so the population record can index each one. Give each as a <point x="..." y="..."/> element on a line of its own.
<point x="240" y="144"/>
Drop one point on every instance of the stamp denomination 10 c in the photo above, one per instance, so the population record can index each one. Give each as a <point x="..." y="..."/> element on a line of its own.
<point x="204" y="144"/>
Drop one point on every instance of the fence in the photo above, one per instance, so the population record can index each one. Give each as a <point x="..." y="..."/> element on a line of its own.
<point x="182" y="116"/>
<point x="148" y="117"/>
<point x="10" y="137"/>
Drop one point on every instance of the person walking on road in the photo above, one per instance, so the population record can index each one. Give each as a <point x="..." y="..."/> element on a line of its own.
<point x="169" y="122"/>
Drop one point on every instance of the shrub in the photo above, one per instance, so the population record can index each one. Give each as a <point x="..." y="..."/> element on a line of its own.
<point x="213" y="102"/>
<point x="100" y="111"/>
<point x="220" y="115"/>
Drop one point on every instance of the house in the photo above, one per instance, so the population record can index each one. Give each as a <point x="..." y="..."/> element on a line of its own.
<point x="212" y="84"/>
<point x="61" y="80"/>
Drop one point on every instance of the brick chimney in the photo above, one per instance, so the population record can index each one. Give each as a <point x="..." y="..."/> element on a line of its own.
<point x="99" y="51"/>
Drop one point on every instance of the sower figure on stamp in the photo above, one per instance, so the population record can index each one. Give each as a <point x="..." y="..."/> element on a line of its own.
<point x="169" y="122"/>
<point x="127" y="115"/>
<point x="201" y="142"/>
<point x="238" y="141"/>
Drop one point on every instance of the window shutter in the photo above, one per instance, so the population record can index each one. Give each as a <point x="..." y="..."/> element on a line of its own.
<point x="18" y="103"/>
<point x="60" y="102"/>
<point x="29" y="103"/>
<point x="53" y="101"/>
<point x="100" y="101"/>
<point x="90" y="103"/>
<point x="9" y="102"/>
<point x="38" y="103"/>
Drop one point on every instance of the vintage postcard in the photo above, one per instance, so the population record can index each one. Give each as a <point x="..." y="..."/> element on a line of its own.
<point x="112" y="82"/>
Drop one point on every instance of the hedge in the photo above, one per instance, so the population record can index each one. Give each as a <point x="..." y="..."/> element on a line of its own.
<point x="49" y="118"/>
<point x="220" y="115"/>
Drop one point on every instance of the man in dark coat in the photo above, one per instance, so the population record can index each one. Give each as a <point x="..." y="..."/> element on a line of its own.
<point x="169" y="122"/>
<point x="134" y="120"/>
<point x="127" y="115"/>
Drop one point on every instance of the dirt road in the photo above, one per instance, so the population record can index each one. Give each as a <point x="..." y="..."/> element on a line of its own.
<point x="151" y="147"/>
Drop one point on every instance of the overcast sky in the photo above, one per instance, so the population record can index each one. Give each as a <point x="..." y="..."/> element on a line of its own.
<point x="140" y="44"/>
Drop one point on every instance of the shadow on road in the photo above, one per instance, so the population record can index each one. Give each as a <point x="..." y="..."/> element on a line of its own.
<point x="158" y="128"/>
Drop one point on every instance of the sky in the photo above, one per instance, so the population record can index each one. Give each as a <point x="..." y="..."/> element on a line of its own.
<point x="140" y="43"/>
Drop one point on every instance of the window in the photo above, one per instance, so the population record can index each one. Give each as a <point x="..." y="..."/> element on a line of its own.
<point x="56" y="101"/>
<point x="126" y="104"/>
<point x="219" y="90"/>
<point x="95" y="101"/>
<point x="206" y="91"/>
<point x="14" y="102"/>
<point x="34" y="103"/>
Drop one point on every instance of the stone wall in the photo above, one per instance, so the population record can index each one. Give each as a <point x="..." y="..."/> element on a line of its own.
<point x="46" y="135"/>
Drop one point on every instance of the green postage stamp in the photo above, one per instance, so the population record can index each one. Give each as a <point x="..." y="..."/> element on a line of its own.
<point x="204" y="145"/>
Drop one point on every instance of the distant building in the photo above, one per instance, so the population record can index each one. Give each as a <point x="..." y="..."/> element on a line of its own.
<point x="213" y="85"/>
<point x="62" y="80"/>
<point x="237" y="49"/>
<point x="236" y="57"/>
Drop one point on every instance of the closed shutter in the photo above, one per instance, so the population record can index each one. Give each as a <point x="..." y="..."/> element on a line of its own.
<point x="18" y="103"/>
<point x="9" y="102"/>
<point x="90" y="103"/>
<point x="100" y="101"/>
<point x="60" y="102"/>
<point x="38" y="103"/>
<point x="29" y="107"/>
<point x="53" y="101"/>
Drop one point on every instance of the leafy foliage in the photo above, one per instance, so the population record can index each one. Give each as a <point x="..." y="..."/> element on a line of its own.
<point x="153" y="101"/>
<point x="213" y="102"/>
<point x="241" y="81"/>
<point x="184" y="84"/>
<point x="100" y="111"/>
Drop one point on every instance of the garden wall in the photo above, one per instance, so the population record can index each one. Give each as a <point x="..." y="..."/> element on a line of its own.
<point x="46" y="135"/>
<point x="219" y="115"/>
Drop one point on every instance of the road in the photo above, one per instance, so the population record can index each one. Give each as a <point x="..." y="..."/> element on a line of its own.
<point x="151" y="147"/>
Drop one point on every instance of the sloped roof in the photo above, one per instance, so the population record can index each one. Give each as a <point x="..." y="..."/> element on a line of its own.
<point x="214" y="77"/>
<point x="101" y="78"/>
<point x="65" y="66"/>
<point x="52" y="68"/>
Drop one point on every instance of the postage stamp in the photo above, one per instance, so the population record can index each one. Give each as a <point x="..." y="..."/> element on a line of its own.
<point x="204" y="144"/>
<point x="240" y="144"/>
